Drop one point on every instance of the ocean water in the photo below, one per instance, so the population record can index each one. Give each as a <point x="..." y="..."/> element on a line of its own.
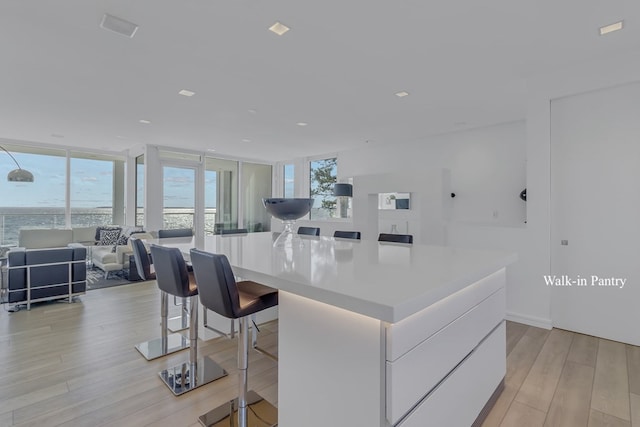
<point x="12" y="219"/>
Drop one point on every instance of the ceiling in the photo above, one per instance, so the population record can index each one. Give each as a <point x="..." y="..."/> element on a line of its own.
<point x="465" y="64"/>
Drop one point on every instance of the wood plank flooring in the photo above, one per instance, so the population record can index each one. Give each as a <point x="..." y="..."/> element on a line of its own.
<point x="561" y="378"/>
<point x="75" y="365"/>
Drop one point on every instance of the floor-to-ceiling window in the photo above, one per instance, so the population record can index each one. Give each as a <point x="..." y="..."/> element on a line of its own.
<point x="288" y="182"/>
<point x="91" y="196"/>
<point x="323" y="174"/>
<point x="220" y="195"/>
<point x="256" y="185"/>
<point x="95" y="188"/>
<point x="178" y="197"/>
<point x="37" y="204"/>
<point x="140" y="190"/>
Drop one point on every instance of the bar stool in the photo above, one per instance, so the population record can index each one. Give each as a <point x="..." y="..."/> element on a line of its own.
<point x="141" y="256"/>
<point x="174" y="279"/>
<point x="179" y="323"/>
<point x="167" y="343"/>
<point x="220" y="292"/>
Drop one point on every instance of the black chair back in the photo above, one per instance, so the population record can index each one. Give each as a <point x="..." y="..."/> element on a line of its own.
<point x="141" y="256"/>
<point x="309" y="231"/>
<point x="347" y="234"/>
<point x="234" y="231"/>
<point x="176" y="232"/>
<point x="171" y="271"/>
<point x="395" y="238"/>
<point x="218" y="289"/>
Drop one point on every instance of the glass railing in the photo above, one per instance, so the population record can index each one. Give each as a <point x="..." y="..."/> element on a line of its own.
<point x="11" y="222"/>
<point x="13" y="219"/>
<point x="183" y="218"/>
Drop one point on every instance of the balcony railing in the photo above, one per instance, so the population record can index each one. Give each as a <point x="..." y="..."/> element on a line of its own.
<point x="11" y="223"/>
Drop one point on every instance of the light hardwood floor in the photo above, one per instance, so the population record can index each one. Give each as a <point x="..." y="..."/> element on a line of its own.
<point x="75" y="365"/>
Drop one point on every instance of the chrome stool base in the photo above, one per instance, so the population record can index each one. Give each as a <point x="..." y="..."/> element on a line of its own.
<point x="260" y="413"/>
<point x="188" y="376"/>
<point x="155" y="348"/>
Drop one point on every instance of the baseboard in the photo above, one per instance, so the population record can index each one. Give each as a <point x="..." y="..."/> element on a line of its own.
<point x="538" y="322"/>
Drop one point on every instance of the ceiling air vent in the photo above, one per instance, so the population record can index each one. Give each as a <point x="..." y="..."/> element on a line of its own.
<point x="118" y="25"/>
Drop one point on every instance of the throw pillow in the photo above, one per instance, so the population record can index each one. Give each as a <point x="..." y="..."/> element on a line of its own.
<point x="123" y="239"/>
<point x="106" y="227"/>
<point x="108" y="237"/>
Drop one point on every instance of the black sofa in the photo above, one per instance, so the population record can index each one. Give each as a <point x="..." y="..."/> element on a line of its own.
<point x="35" y="275"/>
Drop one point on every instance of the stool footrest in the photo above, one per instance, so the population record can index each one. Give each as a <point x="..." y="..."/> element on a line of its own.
<point x="177" y="324"/>
<point x="155" y="348"/>
<point x="260" y="413"/>
<point x="188" y="376"/>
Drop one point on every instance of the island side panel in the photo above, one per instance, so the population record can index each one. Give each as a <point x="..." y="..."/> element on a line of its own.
<point x="331" y="365"/>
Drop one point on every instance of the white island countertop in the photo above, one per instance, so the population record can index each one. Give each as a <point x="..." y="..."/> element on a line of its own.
<point x="384" y="281"/>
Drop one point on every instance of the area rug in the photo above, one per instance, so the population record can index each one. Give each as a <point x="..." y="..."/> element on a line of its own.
<point x="96" y="280"/>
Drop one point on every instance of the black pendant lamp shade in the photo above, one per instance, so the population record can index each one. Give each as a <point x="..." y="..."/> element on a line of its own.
<point x="342" y="189"/>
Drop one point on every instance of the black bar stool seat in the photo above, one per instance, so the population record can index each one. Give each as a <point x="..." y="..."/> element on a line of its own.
<point x="309" y="231"/>
<point x="395" y="238"/>
<point x="347" y="234"/>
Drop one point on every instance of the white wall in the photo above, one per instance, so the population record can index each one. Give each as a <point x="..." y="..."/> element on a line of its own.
<point x="487" y="174"/>
<point x="486" y="169"/>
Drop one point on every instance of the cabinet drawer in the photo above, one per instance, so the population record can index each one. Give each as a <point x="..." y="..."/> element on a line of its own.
<point x="459" y="399"/>
<point x="408" y="333"/>
<point x="417" y="372"/>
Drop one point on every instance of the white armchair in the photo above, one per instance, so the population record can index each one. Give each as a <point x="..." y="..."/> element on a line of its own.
<point x="106" y="260"/>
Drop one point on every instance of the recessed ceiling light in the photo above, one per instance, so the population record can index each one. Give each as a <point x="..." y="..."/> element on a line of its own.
<point x="144" y="121"/>
<point x="185" y="92"/>
<point x="211" y="149"/>
<point x="302" y="123"/>
<point x="611" y="28"/>
<point x="118" y="25"/>
<point x="279" y="28"/>
<point x="402" y="94"/>
<point x="245" y="140"/>
<point x="57" y="135"/>
<point x="252" y="111"/>
<point x="120" y="137"/>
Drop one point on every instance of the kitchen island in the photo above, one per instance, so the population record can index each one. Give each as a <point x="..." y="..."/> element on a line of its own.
<point x="375" y="334"/>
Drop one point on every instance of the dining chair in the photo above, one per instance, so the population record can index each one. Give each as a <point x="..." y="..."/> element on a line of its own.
<point x="347" y="234"/>
<point x="219" y="292"/>
<point x="173" y="278"/>
<point x="175" y="232"/>
<point x="395" y="238"/>
<point x="310" y="231"/>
